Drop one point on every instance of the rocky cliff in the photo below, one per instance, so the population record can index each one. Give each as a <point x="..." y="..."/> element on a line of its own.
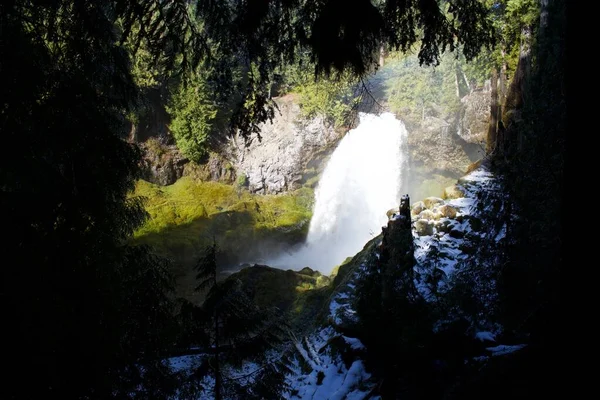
<point x="441" y="146"/>
<point x="290" y="153"/>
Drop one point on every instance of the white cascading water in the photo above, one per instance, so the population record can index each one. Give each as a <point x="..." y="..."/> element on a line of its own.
<point x="361" y="182"/>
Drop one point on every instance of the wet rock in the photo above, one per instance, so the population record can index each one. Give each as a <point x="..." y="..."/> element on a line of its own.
<point x="432" y="202"/>
<point x="434" y="145"/>
<point x="475" y="116"/>
<point x="391" y="212"/>
<point x="473" y="166"/>
<point x="424" y="227"/>
<point x="427" y="214"/>
<point x="457" y="234"/>
<point x="444" y="226"/>
<point x="417" y="208"/>
<point x="447" y="211"/>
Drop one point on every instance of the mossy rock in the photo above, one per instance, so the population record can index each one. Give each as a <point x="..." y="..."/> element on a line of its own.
<point x="335" y="270"/>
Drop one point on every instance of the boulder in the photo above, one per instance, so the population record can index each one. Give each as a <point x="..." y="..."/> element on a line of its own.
<point x="444" y="226"/>
<point x="427" y="215"/>
<point x="432" y="202"/>
<point x="457" y="234"/>
<point x="453" y="192"/>
<point x="417" y="208"/>
<point x="424" y="227"/>
<point x="447" y="211"/>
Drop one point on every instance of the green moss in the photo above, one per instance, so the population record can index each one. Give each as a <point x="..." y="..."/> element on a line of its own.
<point x="336" y="269"/>
<point x="188" y="200"/>
<point x="153" y="146"/>
<point x="312" y="182"/>
<point x="185" y="216"/>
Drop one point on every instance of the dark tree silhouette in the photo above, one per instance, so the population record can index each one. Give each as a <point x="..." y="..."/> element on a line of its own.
<point x="85" y="315"/>
<point x="233" y="327"/>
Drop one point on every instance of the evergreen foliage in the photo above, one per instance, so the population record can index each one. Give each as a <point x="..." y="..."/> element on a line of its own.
<point x="334" y="97"/>
<point x="412" y="90"/>
<point x="236" y="330"/>
<point x="86" y="315"/>
<point x="248" y="43"/>
<point x="192" y="112"/>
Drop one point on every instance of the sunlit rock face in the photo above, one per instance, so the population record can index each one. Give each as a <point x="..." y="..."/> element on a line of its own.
<point x="289" y="144"/>
<point x="475" y="116"/>
<point x="434" y="147"/>
<point x="441" y="147"/>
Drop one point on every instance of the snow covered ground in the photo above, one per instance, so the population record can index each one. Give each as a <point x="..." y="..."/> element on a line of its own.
<point x="329" y="378"/>
<point x="449" y="234"/>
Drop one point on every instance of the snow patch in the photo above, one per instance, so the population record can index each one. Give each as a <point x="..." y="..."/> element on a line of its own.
<point x="485" y="335"/>
<point x="354" y="343"/>
<point x="503" y="349"/>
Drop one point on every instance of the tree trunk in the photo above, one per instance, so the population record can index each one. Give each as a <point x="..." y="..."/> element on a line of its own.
<point x="456" y="84"/>
<point x="217" y="366"/>
<point x="544" y="13"/>
<point x="494" y="108"/>
<point x="466" y="81"/>
<point x="133" y="137"/>
<point x="502" y="78"/>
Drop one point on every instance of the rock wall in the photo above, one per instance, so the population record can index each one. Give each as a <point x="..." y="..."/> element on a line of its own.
<point x="434" y="146"/>
<point x="161" y="164"/>
<point x="290" y="145"/>
<point x="441" y="147"/>
<point x="291" y="153"/>
<point x="474" y="117"/>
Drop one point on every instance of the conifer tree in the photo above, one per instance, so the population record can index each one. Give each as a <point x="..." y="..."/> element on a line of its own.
<point x="232" y="327"/>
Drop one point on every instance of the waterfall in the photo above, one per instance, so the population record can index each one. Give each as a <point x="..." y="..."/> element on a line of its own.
<point x="359" y="184"/>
